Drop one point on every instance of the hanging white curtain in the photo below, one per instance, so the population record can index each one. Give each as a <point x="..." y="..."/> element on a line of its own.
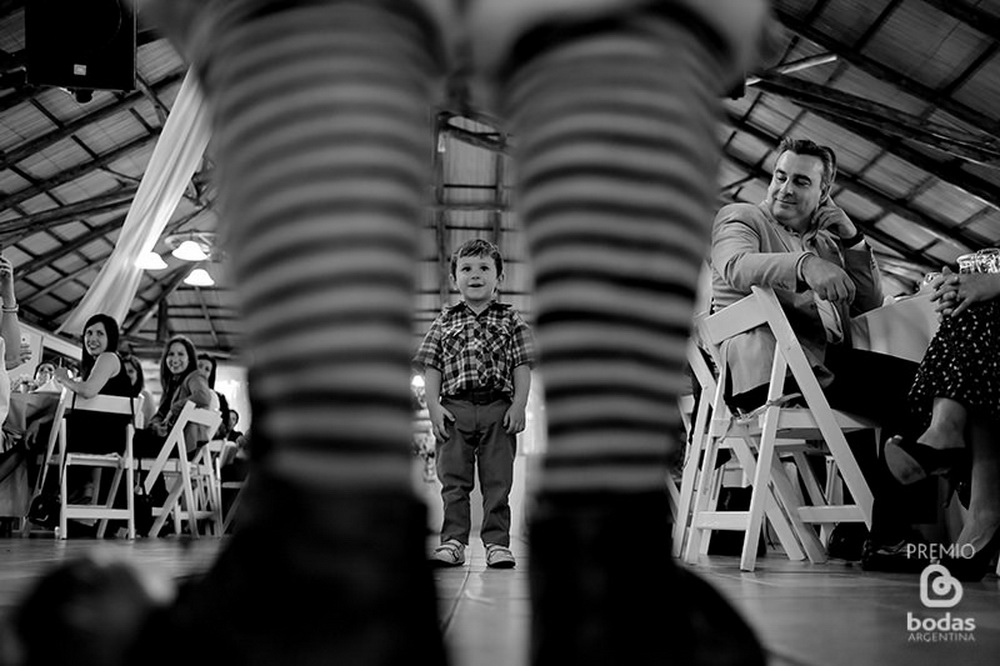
<point x="177" y="154"/>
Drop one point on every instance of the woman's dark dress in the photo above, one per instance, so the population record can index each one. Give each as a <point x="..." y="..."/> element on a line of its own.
<point x="94" y="432"/>
<point x="962" y="363"/>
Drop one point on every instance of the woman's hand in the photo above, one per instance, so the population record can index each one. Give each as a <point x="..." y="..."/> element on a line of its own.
<point x="955" y="292"/>
<point x="31" y="434"/>
<point x="62" y="375"/>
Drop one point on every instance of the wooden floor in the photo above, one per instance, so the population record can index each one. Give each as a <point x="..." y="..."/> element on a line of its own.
<point x="830" y="615"/>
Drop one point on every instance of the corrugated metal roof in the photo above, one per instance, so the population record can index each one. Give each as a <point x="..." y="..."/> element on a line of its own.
<point x="919" y="150"/>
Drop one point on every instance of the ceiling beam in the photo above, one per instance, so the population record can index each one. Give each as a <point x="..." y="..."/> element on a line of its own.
<point x="183" y="269"/>
<point x="69" y="246"/>
<point x="496" y="217"/>
<point x="440" y="219"/>
<point x="496" y="141"/>
<point x="149" y="92"/>
<point x="978" y="120"/>
<point x="55" y="284"/>
<point x="476" y="139"/>
<point x="983" y="149"/>
<point x="220" y="313"/>
<point x="78" y="171"/>
<point x="16" y="230"/>
<point x="20" y="95"/>
<point x="484" y="207"/>
<point x="75" y="244"/>
<point x="984" y="22"/>
<point x="205" y="314"/>
<point x="34" y="146"/>
<point x="48" y="219"/>
<point x="136" y="319"/>
<point x="949" y="172"/>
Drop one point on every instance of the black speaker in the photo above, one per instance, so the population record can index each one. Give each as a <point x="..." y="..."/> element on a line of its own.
<point x="80" y="44"/>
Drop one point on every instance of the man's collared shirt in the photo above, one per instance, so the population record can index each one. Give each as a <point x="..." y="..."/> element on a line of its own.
<point x="476" y="352"/>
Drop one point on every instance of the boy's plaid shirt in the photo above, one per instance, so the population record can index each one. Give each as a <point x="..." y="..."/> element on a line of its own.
<point x="476" y="352"/>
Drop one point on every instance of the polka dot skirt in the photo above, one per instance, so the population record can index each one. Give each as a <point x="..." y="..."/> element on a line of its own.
<point x="962" y="363"/>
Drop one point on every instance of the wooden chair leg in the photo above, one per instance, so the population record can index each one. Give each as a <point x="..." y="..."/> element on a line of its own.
<point x="772" y="510"/>
<point x="761" y="481"/>
<point x="695" y="449"/>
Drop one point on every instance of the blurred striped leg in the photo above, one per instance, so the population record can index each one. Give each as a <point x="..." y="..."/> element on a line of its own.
<point x="321" y="115"/>
<point x="322" y="137"/>
<point x="618" y="157"/>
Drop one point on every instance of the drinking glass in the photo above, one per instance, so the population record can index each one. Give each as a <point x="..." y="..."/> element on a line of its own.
<point x="968" y="263"/>
<point x="988" y="260"/>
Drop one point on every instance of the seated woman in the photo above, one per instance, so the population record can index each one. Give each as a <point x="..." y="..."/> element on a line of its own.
<point x="233" y="433"/>
<point x="208" y="366"/>
<point x="181" y="381"/>
<point x="956" y="397"/>
<point x="102" y="373"/>
<point x="138" y="381"/>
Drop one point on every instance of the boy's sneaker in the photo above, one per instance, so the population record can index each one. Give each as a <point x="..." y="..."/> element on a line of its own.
<point x="449" y="554"/>
<point x="499" y="557"/>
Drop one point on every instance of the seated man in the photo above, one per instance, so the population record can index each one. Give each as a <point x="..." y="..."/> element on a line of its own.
<point x="803" y="246"/>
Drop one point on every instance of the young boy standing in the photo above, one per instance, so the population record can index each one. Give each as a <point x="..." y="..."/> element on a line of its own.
<point x="477" y="359"/>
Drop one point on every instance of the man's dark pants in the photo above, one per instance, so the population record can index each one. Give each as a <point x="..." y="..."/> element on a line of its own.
<point x="873" y="386"/>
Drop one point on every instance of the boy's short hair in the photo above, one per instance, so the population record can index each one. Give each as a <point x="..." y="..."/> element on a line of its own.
<point x="477" y="248"/>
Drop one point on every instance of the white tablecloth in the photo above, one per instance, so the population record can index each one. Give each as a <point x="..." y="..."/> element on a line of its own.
<point x="25" y="407"/>
<point x="903" y="328"/>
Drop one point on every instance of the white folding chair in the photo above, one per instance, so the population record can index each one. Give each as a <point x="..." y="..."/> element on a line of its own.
<point x="223" y="452"/>
<point x="57" y="457"/>
<point x="777" y="426"/>
<point x="121" y="463"/>
<point x="694" y="465"/>
<point x="182" y="475"/>
<point x="54" y="459"/>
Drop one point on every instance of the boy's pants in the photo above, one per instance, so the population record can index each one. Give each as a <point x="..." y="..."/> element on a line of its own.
<point x="476" y="434"/>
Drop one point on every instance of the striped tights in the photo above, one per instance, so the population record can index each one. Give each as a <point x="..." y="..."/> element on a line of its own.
<point x="321" y="114"/>
<point x="322" y="136"/>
